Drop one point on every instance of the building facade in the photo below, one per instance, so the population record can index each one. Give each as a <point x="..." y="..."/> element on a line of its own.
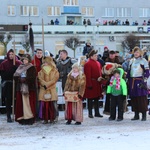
<point x="106" y="22"/>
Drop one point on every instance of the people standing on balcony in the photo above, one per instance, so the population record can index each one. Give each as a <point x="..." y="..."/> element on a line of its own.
<point x="138" y="72"/>
<point x="25" y="77"/>
<point x="64" y="64"/>
<point x="87" y="49"/>
<point x="148" y="22"/>
<point x="52" y="22"/>
<point x="7" y="69"/>
<point x="48" y="77"/>
<point x="127" y="23"/>
<point x="112" y="59"/>
<point x="93" y="91"/>
<point x="75" y="85"/>
<point x="88" y="22"/>
<point x="84" y="22"/>
<point x="136" y="23"/>
<point x="144" y="23"/>
<point x="56" y="22"/>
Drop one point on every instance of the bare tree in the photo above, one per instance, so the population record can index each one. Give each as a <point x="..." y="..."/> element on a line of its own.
<point x="130" y="42"/>
<point x="26" y="43"/>
<point x="72" y="43"/>
<point x="4" y="40"/>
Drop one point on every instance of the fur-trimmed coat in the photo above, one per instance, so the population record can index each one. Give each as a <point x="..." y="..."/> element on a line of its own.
<point x="49" y="79"/>
<point x="76" y="84"/>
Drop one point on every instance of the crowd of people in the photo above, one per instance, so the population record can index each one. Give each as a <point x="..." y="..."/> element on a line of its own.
<point x="92" y="77"/>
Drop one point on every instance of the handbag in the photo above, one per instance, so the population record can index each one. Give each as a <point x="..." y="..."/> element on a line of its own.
<point x="47" y="96"/>
<point x="71" y="96"/>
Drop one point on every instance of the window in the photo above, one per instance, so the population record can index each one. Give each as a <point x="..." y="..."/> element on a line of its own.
<point x="11" y="10"/>
<point x="88" y="11"/>
<point x="144" y="12"/>
<point x="71" y="2"/>
<point x="53" y="11"/>
<point x="108" y="12"/>
<point x="29" y="10"/>
<point x="124" y="12"/>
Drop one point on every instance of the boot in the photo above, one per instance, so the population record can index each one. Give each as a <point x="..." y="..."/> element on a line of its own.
<point x="136" y="116"/>
<point x="90" y="105"/>
<point x="143" y="116"/>
<point x="9" y="120"/>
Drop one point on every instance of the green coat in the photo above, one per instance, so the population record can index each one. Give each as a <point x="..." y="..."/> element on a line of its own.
<point x="123" y="86"/>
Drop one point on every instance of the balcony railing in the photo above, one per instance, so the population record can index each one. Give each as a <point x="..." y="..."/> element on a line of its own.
<point x="66" y="29"/>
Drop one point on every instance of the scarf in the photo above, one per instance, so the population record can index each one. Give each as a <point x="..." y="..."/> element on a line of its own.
<point x="22" y="69"/>
<point x="74" y="74"/>
<point x="117" y="82"/>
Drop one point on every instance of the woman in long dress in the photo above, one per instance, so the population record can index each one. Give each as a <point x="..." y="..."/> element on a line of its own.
<point x="75" y="83"/>
<point x="25" y="77"/>
<point x="48" y="77"/>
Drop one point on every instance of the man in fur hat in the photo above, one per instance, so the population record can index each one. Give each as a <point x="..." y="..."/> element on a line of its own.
<point x="92" y="70"/>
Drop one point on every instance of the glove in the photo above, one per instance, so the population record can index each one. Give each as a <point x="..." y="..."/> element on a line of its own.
<point x="80" y="97"/>
<point x="90" y="87"/>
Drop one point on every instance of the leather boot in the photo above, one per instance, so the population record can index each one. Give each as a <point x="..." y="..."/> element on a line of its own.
<point x="136" y="116"/>
<point x="9" y="120"/>
<point x="143" y="116"/>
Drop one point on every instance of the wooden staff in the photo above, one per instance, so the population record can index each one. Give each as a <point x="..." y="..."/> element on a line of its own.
<point x="43" y="35"/>
<point x="13" y="94"/>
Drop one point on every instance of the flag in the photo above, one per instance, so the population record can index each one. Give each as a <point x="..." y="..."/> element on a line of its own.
<point x="31" y="38"/>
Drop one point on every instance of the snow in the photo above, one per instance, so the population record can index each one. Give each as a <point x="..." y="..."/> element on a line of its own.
<point x="93" y="134"/>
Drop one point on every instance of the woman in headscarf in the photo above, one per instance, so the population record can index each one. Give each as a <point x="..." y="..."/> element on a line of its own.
<point x="25" y="77"/>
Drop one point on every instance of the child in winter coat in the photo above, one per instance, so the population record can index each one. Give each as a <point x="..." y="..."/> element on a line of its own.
<point x="118" y="91"/>
<point x="73" y="92"/>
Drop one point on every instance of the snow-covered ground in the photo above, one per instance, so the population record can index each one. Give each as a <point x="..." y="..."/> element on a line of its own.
<point x="93" y="134"/>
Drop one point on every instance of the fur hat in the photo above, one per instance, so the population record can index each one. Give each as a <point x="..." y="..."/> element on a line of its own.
<point x="92" y="52"/>
<point x="21" y="52"/>
<point x="135" y="49"/>
<point x="48" y="60"/>
<point x="109" y="68"/>
<point x="27" y="56"/>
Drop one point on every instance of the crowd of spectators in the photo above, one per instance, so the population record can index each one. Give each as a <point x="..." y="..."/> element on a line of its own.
<point x="104" y="22"/>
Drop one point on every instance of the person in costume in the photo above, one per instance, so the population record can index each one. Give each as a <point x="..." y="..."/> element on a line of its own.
<point x="7" y="69"/>
<point x="25" y="77"/>
<point x="64" y="64"/>
<point x="93" y="91"/>
<point x="137" y="79"/>
<point x="48" y="77"/>
<point x="117" y="89"/>
<point x="76" y="82"/>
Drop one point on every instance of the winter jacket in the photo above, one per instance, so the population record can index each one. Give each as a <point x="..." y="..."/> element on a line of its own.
<point x="123" y="86"/>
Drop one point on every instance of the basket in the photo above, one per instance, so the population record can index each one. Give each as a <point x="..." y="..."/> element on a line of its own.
<point x="71" y="96"/>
